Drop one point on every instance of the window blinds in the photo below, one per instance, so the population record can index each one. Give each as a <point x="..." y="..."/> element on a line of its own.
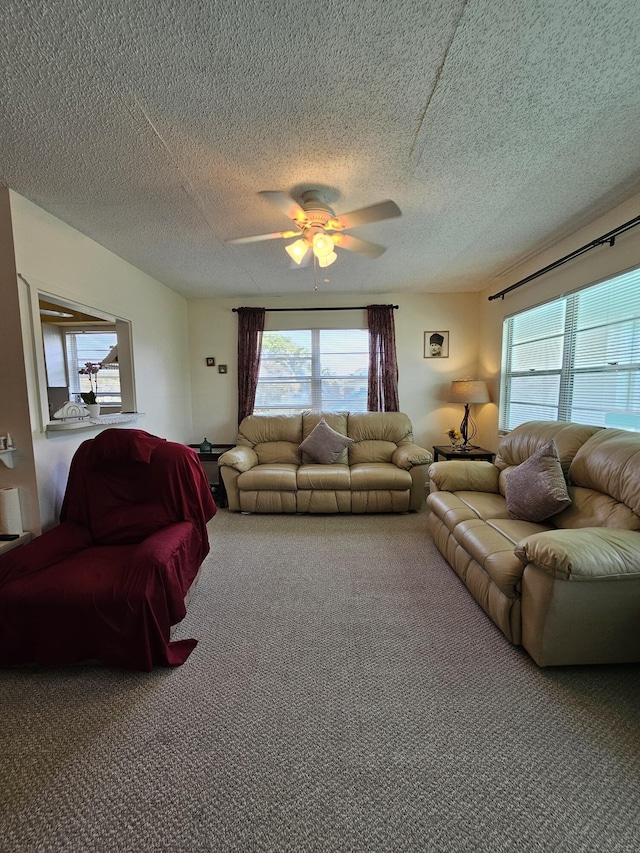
<point x="576" y="358"/>
<point x="317" y="369"/>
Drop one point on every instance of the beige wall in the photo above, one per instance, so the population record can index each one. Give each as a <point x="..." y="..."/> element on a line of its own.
<point x="14" y="399"/>
<point x="595" y="265"/>
<point x="184" y="400"/>
<point x="423" y="383"/>
<point x="58" y="260"/>
<point x="474" y="323"/>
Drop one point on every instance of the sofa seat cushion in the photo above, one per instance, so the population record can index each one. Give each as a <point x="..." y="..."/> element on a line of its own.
<point x="373" y="476"/>
<point x="323" y="477"/>
<point x="274" y="477"/>
<point x="515" y="529"/>
<point x="449" y="508"/>
<point x="493" y="552"/>
<point x="485" y="504"/>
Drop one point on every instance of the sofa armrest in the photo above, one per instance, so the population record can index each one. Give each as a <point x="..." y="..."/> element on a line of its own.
<point x="590" y="553"/>
<point x="63" y="541"/>
<point x="158" y="546"/>
<point x="241" y="458"/>
<point x="465" y="476"/>
<point x="408" y="455"/>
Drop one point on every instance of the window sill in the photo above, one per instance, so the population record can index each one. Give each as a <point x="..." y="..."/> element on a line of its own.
<point x="93" y="423"/>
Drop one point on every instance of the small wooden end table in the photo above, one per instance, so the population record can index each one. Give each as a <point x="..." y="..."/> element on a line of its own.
<point x="217" y="485"/>
<point x="447" y="452"/>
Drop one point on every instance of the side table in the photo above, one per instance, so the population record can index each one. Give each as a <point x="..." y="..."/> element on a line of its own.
<point x="209" y="463"/>
<point x="447" y="452"/>
<point x="9" y="544"/>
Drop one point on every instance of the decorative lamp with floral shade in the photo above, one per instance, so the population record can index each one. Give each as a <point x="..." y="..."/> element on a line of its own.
<point x="468" y="391"/>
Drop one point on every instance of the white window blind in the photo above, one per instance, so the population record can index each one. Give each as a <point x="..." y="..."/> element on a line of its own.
<point x="316" y="369"/>
<point x="576" y="358"/>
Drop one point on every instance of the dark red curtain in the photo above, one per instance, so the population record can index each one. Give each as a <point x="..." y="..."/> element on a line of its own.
<point x="382" y="393"/>
<point x="250" y="328"/>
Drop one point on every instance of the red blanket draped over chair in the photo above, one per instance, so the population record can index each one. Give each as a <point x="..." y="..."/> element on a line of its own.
<point x="110" y="580"/>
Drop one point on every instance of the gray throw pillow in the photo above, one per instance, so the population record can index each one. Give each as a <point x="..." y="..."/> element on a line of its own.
<point x="536" y="489"/>
<point x="324" y="444"/>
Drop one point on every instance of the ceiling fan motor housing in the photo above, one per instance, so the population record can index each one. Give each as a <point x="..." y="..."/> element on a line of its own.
<point x="317" y="212"/>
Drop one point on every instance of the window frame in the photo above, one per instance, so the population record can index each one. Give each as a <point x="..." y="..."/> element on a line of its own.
<point x="105" y="398"/>
<point x="124" y="328"/>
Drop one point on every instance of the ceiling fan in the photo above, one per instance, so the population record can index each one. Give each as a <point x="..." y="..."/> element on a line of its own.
<point x="320" y="231"/>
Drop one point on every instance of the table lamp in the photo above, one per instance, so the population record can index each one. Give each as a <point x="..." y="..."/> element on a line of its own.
<point x="468" y="391"/>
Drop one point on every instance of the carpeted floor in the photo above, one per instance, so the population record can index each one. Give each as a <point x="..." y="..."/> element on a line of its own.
<point x="346" y="694"/>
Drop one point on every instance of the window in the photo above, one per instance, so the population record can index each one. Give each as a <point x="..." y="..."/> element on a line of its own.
<point x="317" y="369"/>
<point x="85" y="346"/>
<point x="68" y="335"/>
<point x="576" y="358"/>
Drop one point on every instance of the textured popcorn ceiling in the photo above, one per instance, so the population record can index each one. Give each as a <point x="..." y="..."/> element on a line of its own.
<point x="151" y="126"/>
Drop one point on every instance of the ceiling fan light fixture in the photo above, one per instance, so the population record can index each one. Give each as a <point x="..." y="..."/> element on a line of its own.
<point x="327" y="260"/>
<point x="323" y="245"/>
<point x="297" y="250"/>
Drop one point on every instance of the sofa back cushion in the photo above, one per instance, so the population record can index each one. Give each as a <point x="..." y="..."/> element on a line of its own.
<point x="609" y="463"/>
<point x="590" y="508"/>
<point x="526" y="439"/>
<point x="376" y="435"/>
<point x="275" y="438"/>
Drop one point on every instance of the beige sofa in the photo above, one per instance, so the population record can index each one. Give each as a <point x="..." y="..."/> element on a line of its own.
<point x="381" y="469"/>
<point x="566" y="588"/>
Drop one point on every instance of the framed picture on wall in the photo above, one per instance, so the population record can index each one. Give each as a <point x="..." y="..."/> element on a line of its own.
<point x="436" y="345"/>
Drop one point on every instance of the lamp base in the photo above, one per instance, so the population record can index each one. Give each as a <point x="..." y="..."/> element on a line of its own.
<point x="467" y="428"/>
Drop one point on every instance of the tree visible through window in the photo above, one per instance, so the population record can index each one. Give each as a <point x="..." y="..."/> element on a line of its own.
<point x="576" y="358"/>
<point x="316" y="369"/>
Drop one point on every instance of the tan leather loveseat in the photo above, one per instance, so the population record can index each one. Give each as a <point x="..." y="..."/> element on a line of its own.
<point x="568" y="587"/>
<point x="373" y="466"/>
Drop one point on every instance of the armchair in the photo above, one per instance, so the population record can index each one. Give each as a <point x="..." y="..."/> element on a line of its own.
<point x="110" y="580"/>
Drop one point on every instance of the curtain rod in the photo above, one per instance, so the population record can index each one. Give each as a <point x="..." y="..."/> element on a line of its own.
<point x="346" y="308"/>
<point x="609" y="238"/>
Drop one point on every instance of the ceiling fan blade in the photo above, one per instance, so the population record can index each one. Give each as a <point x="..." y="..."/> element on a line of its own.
<point x="285" y="203"/>
<point x="257" y="237"/>
<point x="374" y="213"/>
<point x="362" y="247"/>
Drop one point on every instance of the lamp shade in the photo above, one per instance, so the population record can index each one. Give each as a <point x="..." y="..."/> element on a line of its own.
<point x="297" y="250"/>
<point x="326" y="262"/>
<point x="469" y="391"/>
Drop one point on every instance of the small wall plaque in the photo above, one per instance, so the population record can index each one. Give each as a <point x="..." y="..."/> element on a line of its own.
<point x="210" y="361"/>
<point x="222" y="368"/>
